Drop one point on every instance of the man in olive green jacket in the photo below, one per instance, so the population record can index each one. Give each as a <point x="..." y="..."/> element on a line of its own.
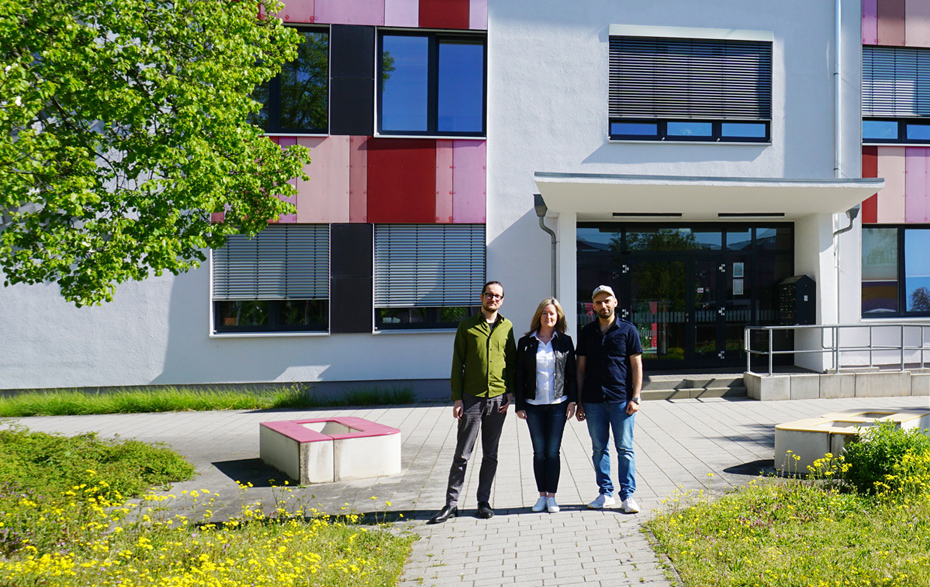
<point x="483" y="364"/>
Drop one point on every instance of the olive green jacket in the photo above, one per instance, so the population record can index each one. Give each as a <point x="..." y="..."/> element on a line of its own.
<point x="483" y="361"/>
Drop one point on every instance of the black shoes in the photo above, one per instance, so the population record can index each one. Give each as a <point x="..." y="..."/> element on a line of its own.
<point x="484" y="510"/>
<point x="447" y="511"/>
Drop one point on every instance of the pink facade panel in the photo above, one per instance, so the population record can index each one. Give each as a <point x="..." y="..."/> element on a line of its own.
<point x="358" y="179"/>
<point x="370" y="12"/>
<point x="469" y="181"/>
<point x="444" y="183"/>
<point x="297" y="11"/>
<point x="286" y="142"/>
<point x="404" y="13"/>
<point x="869" y="22"/>
<point x="478" y="15"/>
<point x="891" y="22"/>
<point x="325" y="197"/>
<point x="917" y="185"/>
<point x="917" y="23"/>
<point x="891" y="166"/>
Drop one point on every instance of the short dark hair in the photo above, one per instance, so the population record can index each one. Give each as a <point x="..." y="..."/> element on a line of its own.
<point x="485" y="288"/>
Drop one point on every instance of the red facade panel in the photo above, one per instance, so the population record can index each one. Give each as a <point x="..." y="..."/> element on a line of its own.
<point x="402" y="180"/>
<point x="891" y="29"/>
<point x="446" y="14"/>
<point x="870" y="169"/>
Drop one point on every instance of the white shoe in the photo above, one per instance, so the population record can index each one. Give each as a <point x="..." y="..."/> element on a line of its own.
<point x="551" y="505"/>
<point x="603" y="500"/>
<point x="629" y="506"/>
<point x="540" y="504"/>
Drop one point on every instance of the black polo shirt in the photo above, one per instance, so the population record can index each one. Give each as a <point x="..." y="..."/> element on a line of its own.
<point x="607" y="373"/>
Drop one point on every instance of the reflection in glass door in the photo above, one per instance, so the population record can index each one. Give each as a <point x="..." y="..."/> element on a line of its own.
<point x="658" y="308"/>
<point x="705" y="290"/>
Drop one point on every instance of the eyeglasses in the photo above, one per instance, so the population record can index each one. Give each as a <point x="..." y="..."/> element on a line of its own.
<point x="493" y="296"/>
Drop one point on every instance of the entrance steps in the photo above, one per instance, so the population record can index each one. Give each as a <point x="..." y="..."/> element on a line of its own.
<point x="692" y="386"/>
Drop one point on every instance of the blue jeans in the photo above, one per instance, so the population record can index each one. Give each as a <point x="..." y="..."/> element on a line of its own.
<point x="546" y="424"/>
<point x="601" y="419"/>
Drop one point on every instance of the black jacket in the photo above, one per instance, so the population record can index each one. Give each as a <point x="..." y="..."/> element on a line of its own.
<point x="565" y="379"/>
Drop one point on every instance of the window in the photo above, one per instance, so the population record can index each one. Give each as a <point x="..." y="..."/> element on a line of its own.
<point x="276" y="281"/>
<point x="895" y="272"/>
<point x="427" y="275"/>
<point x="297" y="99"/>
<point x="672" y="89"/>
<point x="432" y="84"/>
<point x="895" y="95"/>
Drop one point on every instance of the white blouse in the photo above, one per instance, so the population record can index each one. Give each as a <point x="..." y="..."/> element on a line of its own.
<point x="545" y="374"/>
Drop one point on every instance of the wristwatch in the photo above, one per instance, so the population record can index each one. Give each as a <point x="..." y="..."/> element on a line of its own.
<point x="635" y="400"/>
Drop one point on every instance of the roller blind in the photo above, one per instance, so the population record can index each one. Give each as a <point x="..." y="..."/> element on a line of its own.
<point x="283" y="262"/>
<point x="653" y="77"/>
<point x="428" y="265"/>
<point x="895" y="81"/>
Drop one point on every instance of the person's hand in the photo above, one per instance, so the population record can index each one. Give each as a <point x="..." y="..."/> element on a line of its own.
<point x="570" y="410"/>
<point x="508" y="398"/>
<point x="632" y="408"/>
<point x="579" y="413"/>
<point x="521" y="414"/>
<point x="458" y="409"/>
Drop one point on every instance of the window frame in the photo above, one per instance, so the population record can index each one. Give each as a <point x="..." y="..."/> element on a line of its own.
<point x="902" y="126"/>
<point x="900" y="274"/>
<point x="716" y="135"/>
<point x="274" y="92"/>
<point x="435" y="38"/>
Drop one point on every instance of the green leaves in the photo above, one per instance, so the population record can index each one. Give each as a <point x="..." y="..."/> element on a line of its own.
<point x="123" y="126"/>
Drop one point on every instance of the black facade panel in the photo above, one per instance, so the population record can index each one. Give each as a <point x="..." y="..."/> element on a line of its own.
<point x="352" y="109"/>
<point x="351" y="250"/>
<point x="350" y="305"/>
<point x="352" y="51"/>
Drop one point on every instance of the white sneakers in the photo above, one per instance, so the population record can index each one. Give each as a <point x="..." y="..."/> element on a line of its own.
<point x="540" y="504"/>
<point x="603" y="501"/>
<point x="551" y="505"/>
<point x="629" y="506"/>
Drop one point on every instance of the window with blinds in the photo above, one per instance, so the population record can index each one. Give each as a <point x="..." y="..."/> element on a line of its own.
<point x="690" y="89"/>
<point x="895" y="95"/>
<point x="278" y="280"/>
<point x="427" y="275"/>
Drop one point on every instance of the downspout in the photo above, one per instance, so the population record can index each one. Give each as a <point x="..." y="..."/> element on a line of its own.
<point x="541" y="209"/>
<point x="837" y="155"/>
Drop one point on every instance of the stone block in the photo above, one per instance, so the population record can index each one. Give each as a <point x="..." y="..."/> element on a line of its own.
<point x="767" y="387"/>
<point x="920" y="383"/>
<point x="893" y="384"/>
<point x="838" y="386"/>
<point x="805" y="386"/>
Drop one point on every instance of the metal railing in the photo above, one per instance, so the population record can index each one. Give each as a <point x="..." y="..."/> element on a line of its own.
<point x="832" y="344"/>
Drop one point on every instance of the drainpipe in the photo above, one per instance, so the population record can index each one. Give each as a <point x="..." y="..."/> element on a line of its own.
<point x="541" y="210"/>
<point x="837" y="155"/>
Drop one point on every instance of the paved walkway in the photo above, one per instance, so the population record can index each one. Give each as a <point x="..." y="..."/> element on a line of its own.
<point x="688" y="444"/>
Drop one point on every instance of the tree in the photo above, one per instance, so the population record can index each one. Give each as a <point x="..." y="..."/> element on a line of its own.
<point x="920" y="300"/>
<point x="124" y="126"/>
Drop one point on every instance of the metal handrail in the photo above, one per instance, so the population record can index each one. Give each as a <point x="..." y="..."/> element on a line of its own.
<point x="834" y="347"/>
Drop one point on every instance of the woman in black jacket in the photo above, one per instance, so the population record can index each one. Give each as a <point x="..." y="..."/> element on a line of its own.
<point x="546" y="393"/>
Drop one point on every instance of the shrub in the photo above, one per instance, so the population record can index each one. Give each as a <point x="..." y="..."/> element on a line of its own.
<point x="885" y="459"/>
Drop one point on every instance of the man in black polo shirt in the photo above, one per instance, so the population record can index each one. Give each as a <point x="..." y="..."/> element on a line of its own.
<point x="610" y="377"/>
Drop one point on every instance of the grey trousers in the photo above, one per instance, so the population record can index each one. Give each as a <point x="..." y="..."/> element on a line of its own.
<point x="484" y="414"/>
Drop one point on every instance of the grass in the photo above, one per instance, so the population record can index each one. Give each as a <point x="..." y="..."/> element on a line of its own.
<point x="81" y="530"/>
<point x="789" y="533"/>
<point x="179" y="399"/>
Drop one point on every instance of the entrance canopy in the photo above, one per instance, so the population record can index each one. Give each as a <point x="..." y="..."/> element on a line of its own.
<point x="648" y="197"/>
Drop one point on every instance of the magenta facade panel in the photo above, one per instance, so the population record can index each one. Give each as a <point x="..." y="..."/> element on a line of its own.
<point x="297" y="11"/>
<point x="891" y="22"/>
<point x="368" y="12"/>
<point x="444" y="183"/>
<point x="286" y="142"/>
<point x="891" y="166"/>
<point x="869" y="22"/>
<point x="325" y="198"/>
<point x="402" y="13"/>
<point x="478" y="15"/>
<point x="469" y="181"/>
<point x="917" y="23"/>
<point x="917" y="185"/>
<point x="358" y="179"/>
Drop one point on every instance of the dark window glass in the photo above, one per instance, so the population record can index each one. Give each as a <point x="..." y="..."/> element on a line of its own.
<point x="918" y="132"/>
<point x="461" y="87"/>
<point x="879" y="271"/>
<point x="405" y="88"/>
<point x="435" y="317"/>
<point x="917" y="269"/>
<point x="689" y="129"/>
<point x="739" y="240"/>
<point x="297" y="99"/>
<point x="271" y="315"/>
<point x="879" y="129"/>
<point x="743" y="130"/>
<point x="649" y="129"/>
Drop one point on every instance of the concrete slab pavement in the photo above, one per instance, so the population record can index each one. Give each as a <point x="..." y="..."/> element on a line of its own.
<point x="691" y="444"/>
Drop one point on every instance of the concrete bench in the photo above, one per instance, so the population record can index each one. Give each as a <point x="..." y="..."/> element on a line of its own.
<point x="323" y="450"/>
<point x="812" y="438"/>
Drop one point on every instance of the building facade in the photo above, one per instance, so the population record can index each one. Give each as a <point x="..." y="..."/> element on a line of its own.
<point x="693" y="155"/>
